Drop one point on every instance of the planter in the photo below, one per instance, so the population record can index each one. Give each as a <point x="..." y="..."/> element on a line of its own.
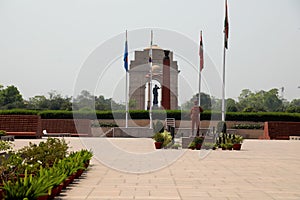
<point x="158" y="145"/>
<point x="198" y="146"/>
<point x="87" y="163"/>
<point x="66" y="183"/>
<point x="55" y="191"/>
<point x="72" y="177"/>
<point x="237" y="147"/>
<point x="44" y="197"/>
<point x="78" y="173"/>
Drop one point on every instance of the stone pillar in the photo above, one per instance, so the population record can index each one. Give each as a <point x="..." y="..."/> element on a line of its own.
<point x="166" y="100"/>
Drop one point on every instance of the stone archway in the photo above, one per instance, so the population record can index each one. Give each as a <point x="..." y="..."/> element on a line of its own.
<point x="166" y="73"/>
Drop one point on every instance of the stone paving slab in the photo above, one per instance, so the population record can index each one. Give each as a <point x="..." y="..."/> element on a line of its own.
<point x="263" y="169"/>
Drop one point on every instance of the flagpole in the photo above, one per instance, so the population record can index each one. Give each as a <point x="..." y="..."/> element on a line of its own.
<point x="226" y="30"/>
<point x="150" y="89"/>
<point x="126" y="93"/>
<point x="200" y="69"/>
<point x="223" y="82"/>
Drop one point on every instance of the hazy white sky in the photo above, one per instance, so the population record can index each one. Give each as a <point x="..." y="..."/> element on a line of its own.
<point x="44" y="44"/>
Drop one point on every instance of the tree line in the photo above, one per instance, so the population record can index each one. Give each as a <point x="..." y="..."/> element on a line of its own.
<point x="248" y="101"/>
<point x="11" y="98"/>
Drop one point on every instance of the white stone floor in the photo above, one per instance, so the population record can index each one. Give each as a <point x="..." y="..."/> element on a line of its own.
<point x="123" y="169"/>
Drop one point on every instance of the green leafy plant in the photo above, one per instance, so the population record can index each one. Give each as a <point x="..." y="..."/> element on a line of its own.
<point x="229" y="146"/>
<point x="5" y="145"/>
<point x="196" y="143"/>
<point x="158" y="137"/>
<point x="45" y="153"/>
<point x="238" y="139"/>
<point x="28" y="187"/>
<point x="2" y="133"/>
<point x="192" y="145"/>
<point x="167" y="138"/>
<point x="247" y="126"/>
<point x="198" y="140"/>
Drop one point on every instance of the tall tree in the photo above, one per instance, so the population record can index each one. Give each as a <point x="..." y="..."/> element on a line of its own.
<point x="231" y="105"/>
<point x="10" y="98"/>
<point x="260" y="101"/>
<point x="294" y="106"/>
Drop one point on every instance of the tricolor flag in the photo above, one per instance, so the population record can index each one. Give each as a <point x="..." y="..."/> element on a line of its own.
<point x="201" y="53"/>
<point x="226" y="27"/>
<point x="126" y="55"/>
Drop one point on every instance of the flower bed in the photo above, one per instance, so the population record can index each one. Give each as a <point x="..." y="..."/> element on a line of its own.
<point x="40" y="171"/>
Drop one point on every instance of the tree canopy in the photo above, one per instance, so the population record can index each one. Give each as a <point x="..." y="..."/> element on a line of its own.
<point x="248" y="101"/>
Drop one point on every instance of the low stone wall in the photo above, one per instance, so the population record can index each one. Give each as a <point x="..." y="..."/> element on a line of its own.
<point x="20" y="125"/>
<point x="77" y="127"/>
<point x="250" y="133"/>
<point x="281" y="130"/>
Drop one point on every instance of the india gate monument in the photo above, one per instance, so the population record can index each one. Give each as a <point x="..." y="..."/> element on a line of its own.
<point x="164" y="71"/>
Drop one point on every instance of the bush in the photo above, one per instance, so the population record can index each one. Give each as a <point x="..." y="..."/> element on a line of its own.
<point x="158" y="114"/>
<point x="247" y="126"/>
<point x="18" y="112"/>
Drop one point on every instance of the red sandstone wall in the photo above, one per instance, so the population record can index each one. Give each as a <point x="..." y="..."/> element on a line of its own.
<point x="282" y="130"/>
<point x="21" y="123"/>
<point x="83" y="126"/>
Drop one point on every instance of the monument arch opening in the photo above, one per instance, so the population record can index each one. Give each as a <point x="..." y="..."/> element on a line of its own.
<point x="164" y="71"/>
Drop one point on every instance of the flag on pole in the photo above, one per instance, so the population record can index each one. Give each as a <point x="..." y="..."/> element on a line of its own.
<point x="126" y="55"/>
<point x="201" y="53"/>
<point x="226" y="27"/>
<point x="150" y="51"/>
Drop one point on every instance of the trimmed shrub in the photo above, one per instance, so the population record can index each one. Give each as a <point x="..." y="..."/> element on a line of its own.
<point x="157" y="115"/>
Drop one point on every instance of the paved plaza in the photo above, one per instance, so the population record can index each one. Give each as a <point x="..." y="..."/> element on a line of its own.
<point x="263" y="169"/>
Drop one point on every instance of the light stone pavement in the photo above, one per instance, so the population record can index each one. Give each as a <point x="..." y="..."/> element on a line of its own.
<point x="263" y="169"/>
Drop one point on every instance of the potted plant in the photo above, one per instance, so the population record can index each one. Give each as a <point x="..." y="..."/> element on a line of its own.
<point x="223" y="146"/>
<point x="198" y="141"/>
<point x="237" y="142"/>
<point x="192" y="145"/>
<point x="229" y="146"/>
<point x="167" y="138"/>
<point x="159" y="140"/>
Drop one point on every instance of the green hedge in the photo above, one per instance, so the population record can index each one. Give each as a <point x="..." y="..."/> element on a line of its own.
<point x="18" y="112"/>
<point x="158" y="114"/>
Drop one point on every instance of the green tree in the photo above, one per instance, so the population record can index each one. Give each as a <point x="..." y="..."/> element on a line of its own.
<point x="205" y="101"/>
<point x="54" y="102"/>
<point x="231" y="105"/>
<point x="84" y="101"/>
<point x="10" y="98"/>
<point x="57" y="102"/>
<point x="294" y="106"/>
<point x="261" y="101"/>
<point x="38" y="102"/>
